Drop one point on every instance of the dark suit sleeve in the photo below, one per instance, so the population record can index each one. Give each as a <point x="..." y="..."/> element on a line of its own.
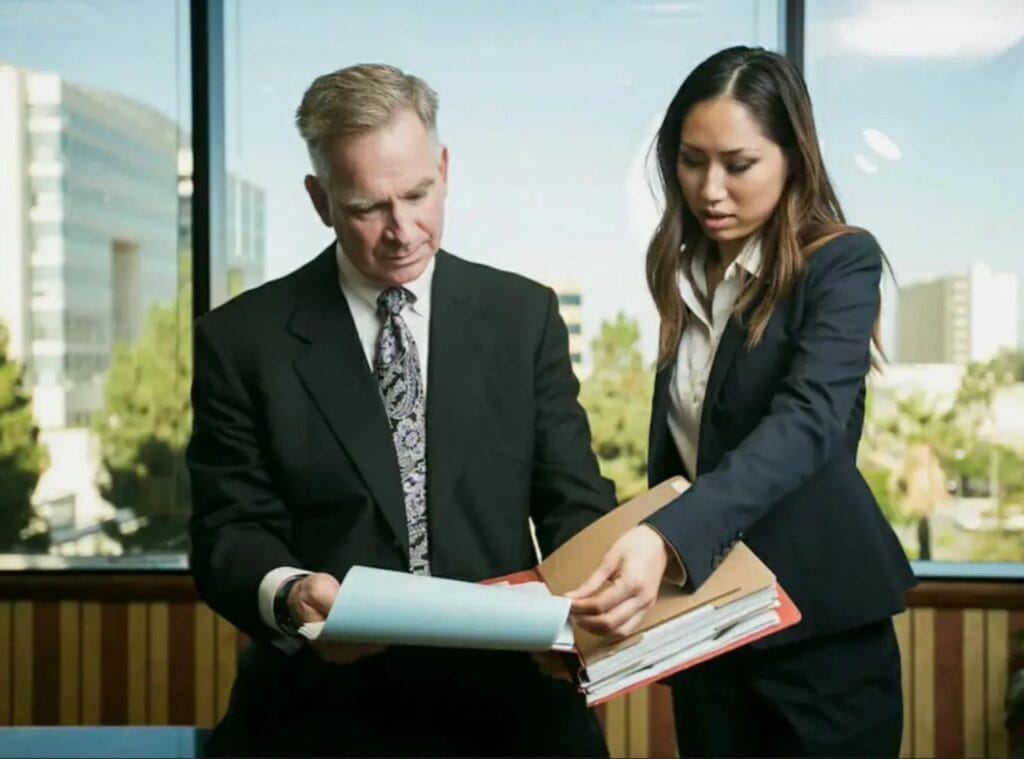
<point x="567" y="489"/>
<point x="239" y="527"/>
<point x="807" y="417"/>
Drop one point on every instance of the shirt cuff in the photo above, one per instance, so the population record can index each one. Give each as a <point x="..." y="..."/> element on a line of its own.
<point x="269" y="586"/>
<point x="675" y="570"/>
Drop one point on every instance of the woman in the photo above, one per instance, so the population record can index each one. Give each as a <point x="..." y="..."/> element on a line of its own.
<point x="768" y="304"/>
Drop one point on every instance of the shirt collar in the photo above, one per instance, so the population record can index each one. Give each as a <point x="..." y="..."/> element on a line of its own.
<point x="749" y="260"/>
<point x="353" y="280"/>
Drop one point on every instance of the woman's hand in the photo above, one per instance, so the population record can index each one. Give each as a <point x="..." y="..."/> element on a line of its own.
<point x="613" y="600"/>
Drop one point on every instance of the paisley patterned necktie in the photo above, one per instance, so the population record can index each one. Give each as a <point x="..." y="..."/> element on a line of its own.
<point x="397" y="366"/>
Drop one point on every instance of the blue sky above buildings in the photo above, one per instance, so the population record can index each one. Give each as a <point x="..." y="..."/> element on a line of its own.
<point x="549" y="106"/>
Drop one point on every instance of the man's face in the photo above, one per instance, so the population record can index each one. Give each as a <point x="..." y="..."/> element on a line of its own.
<point x="386" y="200"/>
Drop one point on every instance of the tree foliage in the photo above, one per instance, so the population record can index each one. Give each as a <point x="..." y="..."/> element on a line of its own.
<point x="22" y="457"/>
<point x="617" y="398"/>
<point x="144" y="426"/>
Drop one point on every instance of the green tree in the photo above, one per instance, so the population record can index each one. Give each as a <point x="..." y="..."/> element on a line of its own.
<point x="22" y="457"/>
<point x="144" y="426"/>
<point x="617" y="398"/>
<point x="935" y="439"/>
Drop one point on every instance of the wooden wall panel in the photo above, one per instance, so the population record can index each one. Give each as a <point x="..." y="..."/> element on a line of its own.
<point x="6" y="662"/>
<point x="615" y="726"/>
<point x="22" y="661"/>
<point x="157" y="651"/>
<point x="204" y="669"/>
<point x="901" y="623"/>
<point x="181" y="657"/>
<point x="46" y="684"/>
<point x="661" y="733"/>
<point x="922" y="626"/>
<point x="973" y="657"/>
<point x="70" y="634"/>
<point x="114" y="664"/>
<point x="164" y="658"/>
<point x="137" y="656"/>
<point x="92" y="662"/>
<point x="996" y="663"/>
<point x="949" y="684"/>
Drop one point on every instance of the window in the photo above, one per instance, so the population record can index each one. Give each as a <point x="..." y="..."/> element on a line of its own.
<point x="89" y="140"/>
<point x="921" y="125"/>
<point x="548" y="109"/>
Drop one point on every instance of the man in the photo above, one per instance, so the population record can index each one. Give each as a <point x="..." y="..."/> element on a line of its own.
<point x="390" y="405"/>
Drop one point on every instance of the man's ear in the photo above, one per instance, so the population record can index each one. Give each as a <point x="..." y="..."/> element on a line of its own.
<point x="318" y="196"/>
<point x="443" y="166"/>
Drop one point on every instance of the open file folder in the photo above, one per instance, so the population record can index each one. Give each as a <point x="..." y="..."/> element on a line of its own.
<point x="739" y="603"/>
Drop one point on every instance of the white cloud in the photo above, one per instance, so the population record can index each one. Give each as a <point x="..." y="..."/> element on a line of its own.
<point x="882" y="144"/>
<point x="865" y="165"/>
<point x="932" y="28"/>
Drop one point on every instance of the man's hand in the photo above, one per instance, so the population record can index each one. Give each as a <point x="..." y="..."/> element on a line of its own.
<point x="309" y="600"/>
<point x="613" y="600"/>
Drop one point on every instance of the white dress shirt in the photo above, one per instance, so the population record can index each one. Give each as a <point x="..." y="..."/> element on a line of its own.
<point x="699" y="343"/>
<point x="361" y="295"/>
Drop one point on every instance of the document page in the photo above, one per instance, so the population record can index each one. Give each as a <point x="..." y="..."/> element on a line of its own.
<point x="397" y="608"/>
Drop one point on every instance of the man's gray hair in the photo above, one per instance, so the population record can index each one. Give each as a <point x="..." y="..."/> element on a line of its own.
<point x="359" y="99"/>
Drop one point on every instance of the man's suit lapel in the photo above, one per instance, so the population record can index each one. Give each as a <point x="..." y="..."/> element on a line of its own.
<point x="334" y="371"/>
<point x="455" y="382"/>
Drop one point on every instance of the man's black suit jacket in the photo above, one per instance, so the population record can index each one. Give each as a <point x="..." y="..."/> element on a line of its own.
<point x="777" y="455"/>
<point x="292" y="461"/>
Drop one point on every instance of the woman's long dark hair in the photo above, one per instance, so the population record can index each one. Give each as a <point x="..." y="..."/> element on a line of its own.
<point x="807" y="216"/>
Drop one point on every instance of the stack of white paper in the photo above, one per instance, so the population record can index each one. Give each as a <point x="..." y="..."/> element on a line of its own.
<point x="679" y="641"/>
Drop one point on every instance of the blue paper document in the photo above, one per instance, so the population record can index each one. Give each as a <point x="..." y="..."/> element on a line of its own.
<point x="396" y="608"/>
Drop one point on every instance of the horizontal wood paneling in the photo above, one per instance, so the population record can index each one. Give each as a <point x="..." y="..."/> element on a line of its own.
<point x="97" y="649"/>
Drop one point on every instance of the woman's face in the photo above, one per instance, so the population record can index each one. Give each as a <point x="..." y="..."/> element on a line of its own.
<point x="731" y="174"/>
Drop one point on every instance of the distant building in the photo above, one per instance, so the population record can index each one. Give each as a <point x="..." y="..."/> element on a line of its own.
<point x="88" y="233"/>
<point x="246" y="236"/>
<point x="958" y="318"/>
<point x="569" y="303"/>
<point x="242" y="264"/>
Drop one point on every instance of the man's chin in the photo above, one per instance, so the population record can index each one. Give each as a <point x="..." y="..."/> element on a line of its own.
<point x="401" y="272"/>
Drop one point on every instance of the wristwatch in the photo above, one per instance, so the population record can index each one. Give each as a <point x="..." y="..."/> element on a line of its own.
<point x="282" y="613"/>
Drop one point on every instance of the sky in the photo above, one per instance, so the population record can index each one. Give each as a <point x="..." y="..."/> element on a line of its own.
<point x="548" y="108"/>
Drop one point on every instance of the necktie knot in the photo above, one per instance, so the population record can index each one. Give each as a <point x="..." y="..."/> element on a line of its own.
<point x="393" y="300"/>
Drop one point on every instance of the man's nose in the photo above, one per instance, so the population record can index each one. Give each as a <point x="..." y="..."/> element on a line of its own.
<point x="401" y="226"/>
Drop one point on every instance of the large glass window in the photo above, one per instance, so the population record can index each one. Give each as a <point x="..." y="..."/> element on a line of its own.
<point x="548" y="109"/>
<point x="921" y="109"/>
<point x="94" y="298"/>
